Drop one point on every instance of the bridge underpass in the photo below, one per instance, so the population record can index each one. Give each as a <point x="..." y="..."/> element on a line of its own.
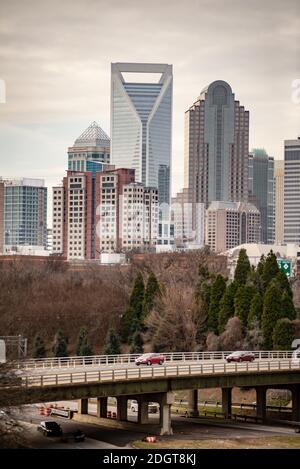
<point x="157" y="384"/>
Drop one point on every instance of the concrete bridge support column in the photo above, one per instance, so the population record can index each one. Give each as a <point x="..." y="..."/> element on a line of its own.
<point x="121" y="408"/>
<point x="193" y="403"/>
<point x="165" y="413"/>
<point x="226" y="402"/>
<point x="83" y="406"/>
<point x="142" y="411"/>
<point x="261" y="402"/>
<point x="296" y="403"/>
<point x="102" y="407"/>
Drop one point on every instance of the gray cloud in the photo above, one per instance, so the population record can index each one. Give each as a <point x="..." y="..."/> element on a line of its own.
<point x="55" y="58"/>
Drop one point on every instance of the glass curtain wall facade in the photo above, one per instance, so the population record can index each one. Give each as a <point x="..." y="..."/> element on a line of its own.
<point x="25" y="213"/>
<point x="292" y="191"/>
<point x="216" y="146"/>
<point x="141" y="124"/>
<point x="262" y="191"/>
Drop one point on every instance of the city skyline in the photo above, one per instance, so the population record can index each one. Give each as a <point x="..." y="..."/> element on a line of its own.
<point x="56" y="87"/>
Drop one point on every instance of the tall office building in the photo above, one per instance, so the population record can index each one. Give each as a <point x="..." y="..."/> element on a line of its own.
<point x="279" y="201"/>
<point x="292" y="191"/>
<point x="229" y="224"/>
<point x="141" y="123"/>
<point x="90" y="149"/>
<point x="185" y="234"/>
<point x="105" y="212"/>
<point x="23" y="213"/>
<point x="216" y="146"/>
<point x="262" y="191"/>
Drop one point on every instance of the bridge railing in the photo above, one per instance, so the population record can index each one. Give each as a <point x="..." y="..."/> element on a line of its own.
<point x="170" y="370"/>
<point x="106" y="360"/>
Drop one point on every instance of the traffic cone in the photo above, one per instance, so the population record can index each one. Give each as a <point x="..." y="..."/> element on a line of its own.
<point x="42" y="410"/>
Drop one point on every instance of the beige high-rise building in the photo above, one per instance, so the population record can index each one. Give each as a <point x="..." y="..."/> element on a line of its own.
<point x="229" y="224"/>
<point x="279" y="201"/>
<point x="216" y="146"/>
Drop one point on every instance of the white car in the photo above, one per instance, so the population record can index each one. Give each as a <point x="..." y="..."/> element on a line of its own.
<point x="152" y="407"/>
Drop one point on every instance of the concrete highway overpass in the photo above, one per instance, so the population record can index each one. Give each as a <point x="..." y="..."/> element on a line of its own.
<point x="103" y="376"/>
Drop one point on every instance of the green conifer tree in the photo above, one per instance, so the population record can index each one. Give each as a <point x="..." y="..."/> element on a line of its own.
<point x="112" y="343"/>
<point x="133" y="316"/>
<point x="287" y="306"/>
<point x="271" y="313"/>
<point x="242" y="269"/>
<point x="256" y="309"/>
<point x="60" y="346"/>
<point x="151" y="292"/>
<point x="226" y="310"/>
<point x="283" y="334"/>
<point x="39" y="350"/>
<point x="217" y="291"/>
<point x="242" y="301"/>
<point x="270" y="269"/>
<point x="137" y="344"/>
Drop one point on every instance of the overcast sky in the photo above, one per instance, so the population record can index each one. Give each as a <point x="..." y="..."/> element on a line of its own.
<point x="55" y="59"/>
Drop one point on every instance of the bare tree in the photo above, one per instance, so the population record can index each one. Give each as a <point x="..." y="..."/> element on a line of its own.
<point x="172" y="325"/>
<point x="233" y="336"/>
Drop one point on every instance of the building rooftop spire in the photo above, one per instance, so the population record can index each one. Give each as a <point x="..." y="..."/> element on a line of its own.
<point x="92" y="136"/>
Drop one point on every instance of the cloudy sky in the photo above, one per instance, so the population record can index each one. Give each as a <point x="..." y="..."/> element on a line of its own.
<point x="55" y="60"/>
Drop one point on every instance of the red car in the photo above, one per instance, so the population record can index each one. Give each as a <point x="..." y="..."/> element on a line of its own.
<point x="150" y="359"/>
<point x="240" y="357"/>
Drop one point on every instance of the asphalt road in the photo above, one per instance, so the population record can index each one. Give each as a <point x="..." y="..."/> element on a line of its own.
<point x="207" y="364"/>
<point x="105" y="437"/>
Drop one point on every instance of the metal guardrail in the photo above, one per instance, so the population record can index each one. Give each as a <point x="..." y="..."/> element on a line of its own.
<point x="167" y="371"/>
<point x="97" y="360"/>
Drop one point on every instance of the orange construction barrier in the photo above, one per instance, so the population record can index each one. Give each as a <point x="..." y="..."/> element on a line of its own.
<point x="47" y="411"/>
<point x="109" y="414"/>
<point x="42" y="410"/>
<point x="150" y="439"/>
<point x="114" y="415"/>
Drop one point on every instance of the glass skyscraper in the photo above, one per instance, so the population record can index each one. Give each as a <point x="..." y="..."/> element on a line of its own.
<point x="24" y="213"/>
<point x="141" y="124"/>
<point x="216" y="146"/>
<point x="292" y="191"/>
<point x="262" y="191"/>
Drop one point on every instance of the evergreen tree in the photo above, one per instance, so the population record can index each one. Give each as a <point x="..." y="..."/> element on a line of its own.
<point x="283" y="334"/>
<point x="203" y="273"/>
<point x="137" y="296"/>
<point x="217" y="291"/>
<point x="134" y="312"/>
<point x="242" y="302"/>
<point x="271" y="313"/>
<point x="227" y="306"/>
<point x="287" y="306"/>
<point x="270" y="269"/>
<point x="243" y="268"/>
<point x="283" y="283"/>
<point x="256" y="309"/>
<point x="83" y="347"/>
<point x="151" y="292"/>
<point x="261" y="265"/>
<point x="60" y="346"/>
<point x="39" y="350"/>
<point x="254" y="338"/>
<point x="137" y="344"/>
<point x="112" y="343"/>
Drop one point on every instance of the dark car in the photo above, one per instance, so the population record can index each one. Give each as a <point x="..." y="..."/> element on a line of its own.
<point x="240" y="357"/>
<point x="150" y="359"/>
<point x="78" y="435"/>
<point x="50" y="428"/>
